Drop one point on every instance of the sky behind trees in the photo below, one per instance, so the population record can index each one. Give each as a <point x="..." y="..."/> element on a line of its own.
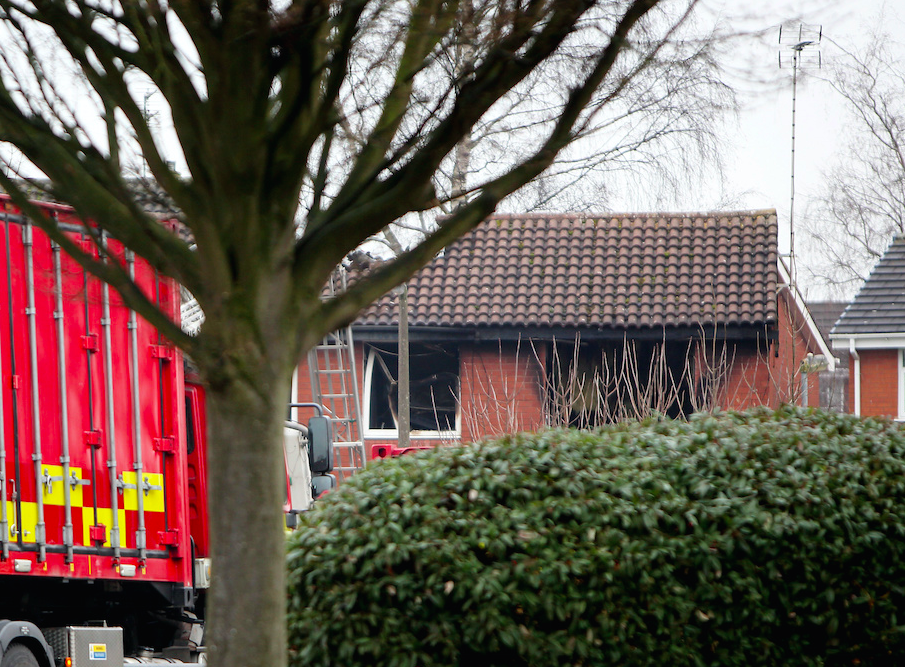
<point x="758" y="160"/>
<point x="756" y="146"/>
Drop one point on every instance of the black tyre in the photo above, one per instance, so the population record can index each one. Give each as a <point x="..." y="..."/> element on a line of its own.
<point x="18" y="655"/>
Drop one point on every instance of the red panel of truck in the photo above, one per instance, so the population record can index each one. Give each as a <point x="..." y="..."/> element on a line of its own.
<point x="93" y="417"/>
<point x="196" y="422"/>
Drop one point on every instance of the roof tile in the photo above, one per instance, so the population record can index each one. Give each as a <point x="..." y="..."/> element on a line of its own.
<point x="879" y="307"/>
<point x="610" y="271"/>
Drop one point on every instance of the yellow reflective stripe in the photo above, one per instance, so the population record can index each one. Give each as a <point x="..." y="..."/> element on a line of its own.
<point x="153" y="499"/>
<point x="26" y="523"/>
<point x="105" y="517"/>
<point x="56" y="497"/>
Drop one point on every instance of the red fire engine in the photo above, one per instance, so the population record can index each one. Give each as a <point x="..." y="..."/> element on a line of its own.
<point x="103" y="541"/>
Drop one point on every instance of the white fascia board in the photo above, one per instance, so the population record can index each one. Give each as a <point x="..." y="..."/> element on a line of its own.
<point x="879" y="341"/>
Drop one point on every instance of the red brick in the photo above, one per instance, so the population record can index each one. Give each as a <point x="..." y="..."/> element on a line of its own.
<point x="879" y="383"/>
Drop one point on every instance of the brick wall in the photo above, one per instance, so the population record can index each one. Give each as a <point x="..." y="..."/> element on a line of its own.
<point x="749" y="380"/>
<point x="769" y="374"/>
<point x="793" y="349"/>
<point x="502" y="388"/>
<point x="500" y="391"/>
<point x="879" y="383"/>
<point x="502" y="383"/>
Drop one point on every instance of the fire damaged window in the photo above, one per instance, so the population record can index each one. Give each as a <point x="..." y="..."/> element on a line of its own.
<point x="434" y="387"/>
<point x="598" y="382"/>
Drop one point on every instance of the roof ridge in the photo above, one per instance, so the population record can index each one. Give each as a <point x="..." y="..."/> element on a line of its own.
<point x="754" y="213"/>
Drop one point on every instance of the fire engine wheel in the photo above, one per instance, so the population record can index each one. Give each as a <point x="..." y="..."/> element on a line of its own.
<point x="18" y="655"/>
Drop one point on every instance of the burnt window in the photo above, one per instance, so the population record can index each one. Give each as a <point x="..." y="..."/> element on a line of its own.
<point x="594" y="383"/>
<point x="433" y="382"/>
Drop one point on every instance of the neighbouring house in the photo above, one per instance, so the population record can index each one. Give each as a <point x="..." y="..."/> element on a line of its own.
<point x="552" y="319"/>
<point x="871" y="332"/>
<point x="833" y="384"/>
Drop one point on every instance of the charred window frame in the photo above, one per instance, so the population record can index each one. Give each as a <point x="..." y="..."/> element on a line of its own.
<point x="434" y="385"/>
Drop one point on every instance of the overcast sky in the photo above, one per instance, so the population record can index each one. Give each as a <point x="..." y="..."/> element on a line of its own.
<point x="759" y="158"/>
<point x="757" y="149"/>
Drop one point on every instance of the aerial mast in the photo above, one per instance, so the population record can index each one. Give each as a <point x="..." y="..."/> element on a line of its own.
<point x="800" y="49"/>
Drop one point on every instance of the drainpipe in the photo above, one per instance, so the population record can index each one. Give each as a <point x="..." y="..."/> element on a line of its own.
<point x="804" y="388"/>
<point x="857" y="371"/>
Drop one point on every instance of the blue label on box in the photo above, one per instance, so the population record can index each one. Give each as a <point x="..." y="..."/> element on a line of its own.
<point x="97" y="651"/>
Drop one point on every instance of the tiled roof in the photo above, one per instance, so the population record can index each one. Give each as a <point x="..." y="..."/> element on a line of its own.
<point x="599" y="271"/>
<point x="879" y="307"/>
<point x="825" y="314"/>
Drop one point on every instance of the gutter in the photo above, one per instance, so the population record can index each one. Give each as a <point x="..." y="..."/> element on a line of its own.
<point x="382" y="333"/>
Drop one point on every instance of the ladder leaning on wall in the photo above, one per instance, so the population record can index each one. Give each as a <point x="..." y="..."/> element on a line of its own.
<point x="334" y="385"/>
<point x="334" y="382"/>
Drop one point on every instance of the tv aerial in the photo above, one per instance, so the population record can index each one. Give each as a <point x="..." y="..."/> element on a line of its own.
<point x="799" y="49"/>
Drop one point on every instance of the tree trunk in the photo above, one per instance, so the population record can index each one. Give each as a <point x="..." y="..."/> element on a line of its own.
<point x="245" y="465"/>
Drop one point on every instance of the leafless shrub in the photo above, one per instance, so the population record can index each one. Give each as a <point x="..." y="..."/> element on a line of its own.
<point x="586" y="386"/>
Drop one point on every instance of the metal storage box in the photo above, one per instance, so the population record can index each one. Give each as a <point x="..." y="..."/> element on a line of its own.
<point x="87" y="646"/>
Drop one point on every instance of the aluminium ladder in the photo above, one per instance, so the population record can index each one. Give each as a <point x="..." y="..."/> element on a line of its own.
<point x="334" y="382"/>
<point x="334" y="385"/>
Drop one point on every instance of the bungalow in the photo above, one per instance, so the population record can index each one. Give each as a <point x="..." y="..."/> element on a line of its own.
<point x="553" y="319"/>
<point x="871" y="331"/>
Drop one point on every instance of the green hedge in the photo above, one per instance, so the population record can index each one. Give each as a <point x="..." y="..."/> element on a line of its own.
<point x="762" y="538"/>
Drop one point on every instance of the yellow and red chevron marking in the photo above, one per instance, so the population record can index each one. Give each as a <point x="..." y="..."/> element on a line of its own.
<point x="84" y="517"/>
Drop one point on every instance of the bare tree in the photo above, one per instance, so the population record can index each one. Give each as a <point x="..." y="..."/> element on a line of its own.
<point x="862" y="204"/>
<point x="660" y="133"/>
<point x="260" y="103"/>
